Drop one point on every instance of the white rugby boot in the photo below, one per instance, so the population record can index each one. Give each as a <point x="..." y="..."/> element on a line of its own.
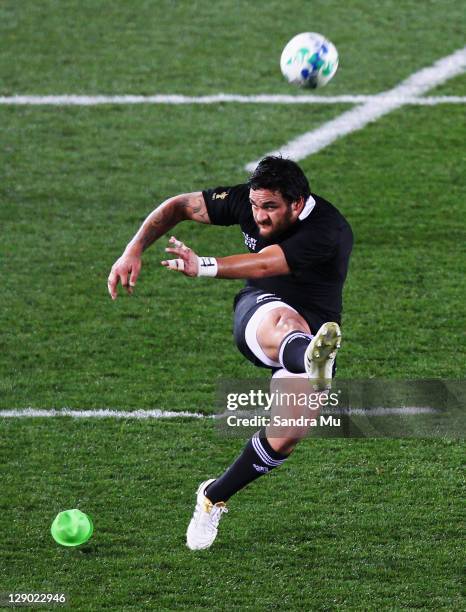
<point x="320" y="355"/>
<point x="203" y="528"/>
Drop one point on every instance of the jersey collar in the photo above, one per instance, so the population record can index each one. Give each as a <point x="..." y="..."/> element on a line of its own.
<point x="308" y="208"/>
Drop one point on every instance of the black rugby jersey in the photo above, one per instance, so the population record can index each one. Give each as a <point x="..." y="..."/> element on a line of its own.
<point x="316" y="248"/>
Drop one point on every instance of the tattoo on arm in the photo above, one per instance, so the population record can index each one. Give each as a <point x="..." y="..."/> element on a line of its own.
<point x="194" y="207"/>
<point x="190" y="206"/>
<point x="159" y="222"/>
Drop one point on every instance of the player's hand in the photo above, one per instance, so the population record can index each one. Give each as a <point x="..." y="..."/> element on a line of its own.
<point x="187" y="260"/>
<point x="128" y="265"/>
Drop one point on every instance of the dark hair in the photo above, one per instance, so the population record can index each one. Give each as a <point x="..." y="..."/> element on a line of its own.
<point x="283" y="175"/>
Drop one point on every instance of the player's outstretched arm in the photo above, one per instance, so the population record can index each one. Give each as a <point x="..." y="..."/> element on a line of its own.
<point x="183" y="207"/>
<point x="270" y="261"/>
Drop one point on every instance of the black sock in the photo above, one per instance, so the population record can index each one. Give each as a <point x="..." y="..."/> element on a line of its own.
<point x="257" y="459"/>
<point x="292" y="350"/>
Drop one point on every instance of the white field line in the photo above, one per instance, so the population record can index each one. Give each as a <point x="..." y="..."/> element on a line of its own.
<point x="98" y="100"/>
<point x="28" y="413"/>
<point x="104" y="413"/>
<point x="375" y="412"/>
<point x="355" y="119"/>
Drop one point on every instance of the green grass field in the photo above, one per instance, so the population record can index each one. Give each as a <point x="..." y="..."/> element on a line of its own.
<point x="345" y="524"/>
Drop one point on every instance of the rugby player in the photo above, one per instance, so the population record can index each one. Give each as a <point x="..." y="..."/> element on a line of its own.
<point x="287" y="316"/>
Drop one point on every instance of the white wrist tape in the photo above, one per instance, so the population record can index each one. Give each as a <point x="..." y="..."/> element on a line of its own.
<point x="207" y="266"/>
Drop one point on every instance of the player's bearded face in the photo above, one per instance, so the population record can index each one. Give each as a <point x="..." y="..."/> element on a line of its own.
<point x="272" y="214"/>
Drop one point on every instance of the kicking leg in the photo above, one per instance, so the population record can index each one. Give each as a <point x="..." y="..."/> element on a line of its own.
<point x="273" y="334"/>
<point x="284" y="336"/>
